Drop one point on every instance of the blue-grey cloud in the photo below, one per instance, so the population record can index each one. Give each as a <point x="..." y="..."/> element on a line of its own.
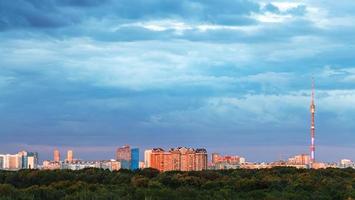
<point x="56" y="14"/>
<point x="231" y="74"/>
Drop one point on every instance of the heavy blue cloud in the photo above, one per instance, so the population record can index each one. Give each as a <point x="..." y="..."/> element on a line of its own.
<point x="57" y="13"/>
<point x="231" y="76"/>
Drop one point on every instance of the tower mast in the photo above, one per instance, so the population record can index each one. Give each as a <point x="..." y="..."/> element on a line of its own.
<point x="313" y="109"/>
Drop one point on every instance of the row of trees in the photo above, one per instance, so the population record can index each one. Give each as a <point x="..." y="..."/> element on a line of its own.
<point x="275" y="183"/>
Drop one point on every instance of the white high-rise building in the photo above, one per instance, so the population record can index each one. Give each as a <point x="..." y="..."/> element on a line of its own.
<point x="147" y="158"/>
<point x="32" y="161"/>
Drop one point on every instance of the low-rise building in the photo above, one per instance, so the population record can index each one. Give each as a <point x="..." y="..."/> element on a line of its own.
<point x="226" y="162"/>
<point x="344" y="163"/>
<point x="302" y="159"/>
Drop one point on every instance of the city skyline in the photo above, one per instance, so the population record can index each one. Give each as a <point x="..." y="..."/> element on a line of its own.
<point x="231" y="76"/>
<point x="174" y="159"/>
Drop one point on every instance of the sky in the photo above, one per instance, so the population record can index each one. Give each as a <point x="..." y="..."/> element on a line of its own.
<point x="231" y="76"/>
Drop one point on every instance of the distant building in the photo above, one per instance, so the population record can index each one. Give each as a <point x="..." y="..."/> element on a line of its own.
<point x="147" y="158"/>
<point x="115" y="165"/>
<point x="78" y="165"/>
<point x="56" y="155"/>
<point x="51" y="165"/>
<point x="215" y="157"/>
<point x="2" y="161"/>
<point x="302" y="159"/>
<point x="344" y="163"/>
<point x="111" y="165"/>
<point x="128" y="157"/>
<point x="123" y="155"/>
<point x="21" y="160"/>
<point x="134" y="158"/>
<point x="319" y="165"/>
<point x="201" y="160"/>
<point x="242" y="160"/>
<point x="70" y="156"/>
<point x="10" y="162"/>
<point x="32" y="160"/>
<point x="226" y="162"/>
<point x="13" y="162"/>
<point x="141" y="165"/>
<point x="181" y="158"/>
<point x="23" y="155"/>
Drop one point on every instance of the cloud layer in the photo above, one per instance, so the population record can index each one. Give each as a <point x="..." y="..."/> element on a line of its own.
<point x="234" y="74"/>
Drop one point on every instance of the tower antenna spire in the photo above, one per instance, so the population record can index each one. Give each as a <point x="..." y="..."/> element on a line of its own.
<point x="313" y="110"/>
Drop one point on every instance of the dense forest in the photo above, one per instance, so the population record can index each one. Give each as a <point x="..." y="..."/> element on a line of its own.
<point x="149" y="184"/>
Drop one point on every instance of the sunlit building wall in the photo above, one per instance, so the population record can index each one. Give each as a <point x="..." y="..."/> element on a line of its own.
<point x="182" y="159"/>
<point x="56" y="155"/>
<point x="147" y="158"/>
<point x="123" y="155"/>
<point x="32" y="160"/>
<point x="70" y="155"/>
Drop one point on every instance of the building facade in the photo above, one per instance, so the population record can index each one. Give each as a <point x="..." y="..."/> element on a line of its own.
<point x="32" y="160"/>
<point x="70" y="156"/>
<point x="128" y="157"/>
<point x="147" y="157"/>
<point x="181" y="158"/>
<point x="56" y="155"/>
<point x="123" y="155"/>
<point x="226" y="161"/>
<point x="134" y="158"/>
<point x="21" y="160"/>
<point x="302" y="159"/>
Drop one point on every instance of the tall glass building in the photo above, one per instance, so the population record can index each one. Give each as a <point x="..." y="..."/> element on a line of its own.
<point x="134" y="158"/>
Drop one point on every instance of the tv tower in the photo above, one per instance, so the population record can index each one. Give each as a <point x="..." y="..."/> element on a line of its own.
<point x="313" y="110"/>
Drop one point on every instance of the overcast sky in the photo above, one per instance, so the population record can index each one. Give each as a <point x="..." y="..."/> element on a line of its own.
<point x="232" y="76"/>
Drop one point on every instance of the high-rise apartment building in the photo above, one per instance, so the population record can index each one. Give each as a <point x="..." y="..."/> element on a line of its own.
<point x="32" y="160"/>
<point x="147" y="158"/>
<point x="124" y="155"/>
<point x="56" y="155"/>
<point x="23" y="155"/>
<point x="14" y="162"/>
<point x="11" y="161"/>
<point x="21" y="160"/>
<point x="200" y="159"/>
<point x="184" y="159"/>
<point x="70" y="156"/>
<point x="187" y="158"/>
<point x="134" y="158"/>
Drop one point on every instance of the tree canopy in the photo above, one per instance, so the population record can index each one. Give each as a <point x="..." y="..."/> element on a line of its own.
<point x="150" y="184"/>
